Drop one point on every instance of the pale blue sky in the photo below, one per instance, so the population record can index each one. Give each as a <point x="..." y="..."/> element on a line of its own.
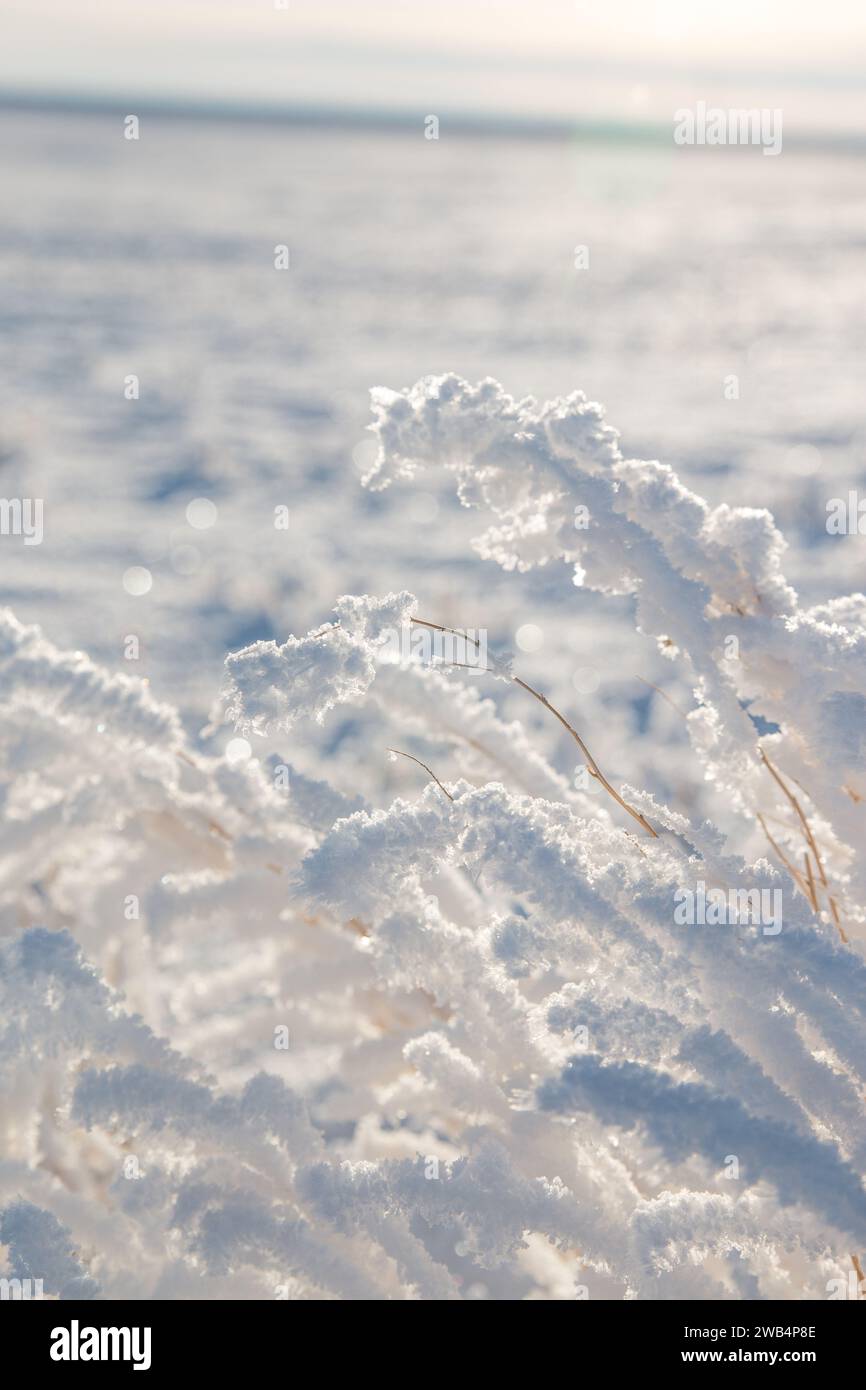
<point x="621" y="59"/>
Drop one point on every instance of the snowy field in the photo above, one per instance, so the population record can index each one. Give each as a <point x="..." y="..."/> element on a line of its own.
<point x="458" y="1046"/>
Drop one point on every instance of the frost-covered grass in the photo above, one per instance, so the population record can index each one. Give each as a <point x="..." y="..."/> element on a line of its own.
<point x="267" y="1033"/>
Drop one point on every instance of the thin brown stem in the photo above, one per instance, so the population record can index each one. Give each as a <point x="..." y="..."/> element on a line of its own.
<point x="427" y="769"/>
<point x="810" y="880"/>
<point x="592" y="766"/>
<point x="591" y="763"/>
<point x="795" y="873"/>
<point x="810" y="840"/>
<point x="437" y="627"/>
<point x="807" y="831"/>
<point x="664" y="695"/>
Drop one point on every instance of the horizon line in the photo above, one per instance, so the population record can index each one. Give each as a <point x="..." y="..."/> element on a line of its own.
<point x="492" y="124"/>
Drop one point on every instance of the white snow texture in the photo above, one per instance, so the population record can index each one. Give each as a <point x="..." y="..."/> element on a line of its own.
<point x="266" y="1036"/>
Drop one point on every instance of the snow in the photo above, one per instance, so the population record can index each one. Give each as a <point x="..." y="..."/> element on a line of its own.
<point x="292" y="1018"/>
<point x="467" y="937"/>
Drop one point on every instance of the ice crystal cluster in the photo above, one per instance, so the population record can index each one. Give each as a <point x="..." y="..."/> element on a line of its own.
<point x="268" y="1035"/>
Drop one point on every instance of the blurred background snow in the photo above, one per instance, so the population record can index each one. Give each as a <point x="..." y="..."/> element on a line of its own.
<point x="304" y="125"/>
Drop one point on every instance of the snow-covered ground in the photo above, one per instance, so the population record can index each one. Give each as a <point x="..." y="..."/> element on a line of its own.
<point x="430" y="1021"/>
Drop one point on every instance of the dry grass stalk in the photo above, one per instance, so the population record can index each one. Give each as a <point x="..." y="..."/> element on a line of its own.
<point x="811" y="880"/>
<point x="592" y="766"/>
<point x="428" y="770"/>
<point x="811" y="842"/>
<point x="780" y="820"/>
<point x="794" y="872"/>
<point x="807" y="831"/>
<point x="664" y="695"/>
